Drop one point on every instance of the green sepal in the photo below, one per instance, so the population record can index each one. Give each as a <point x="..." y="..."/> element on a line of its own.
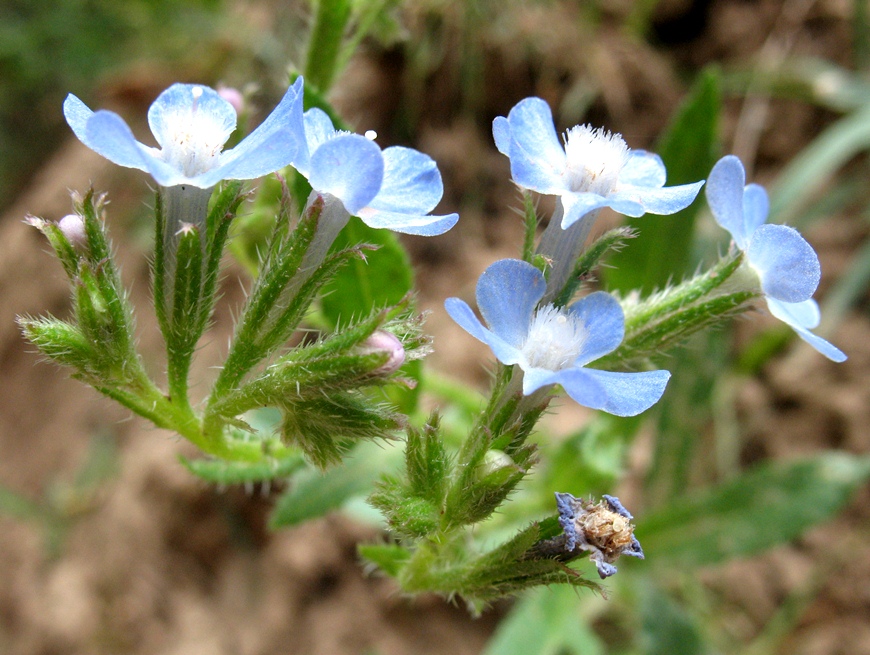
<point x="506" y="570"/>
<point x="90" y="208"/>
<point x="409" y="516"/>
<point x="61" y="342"/>
<point x="281" y="295"/>
<point x="103" y="316"/>
<point x="514" y="566"/>
<point x="589" y="259"/>
<point x="186" y="269"/>
<point x="390" y="558"/>
<point x="530" y="226"/>
<point x="223" y="472"/>
<point x="487" y="485"/>
<point x="325" y="427"/>
<point x="668" y="317"/>
<point x="338" y="362"/>
<point x="183" y="329"/>
<point x="427" y="462"/>
<point x="68" y="254"/>
<point x="413" y="504"/>
<point x="293" y="379"/>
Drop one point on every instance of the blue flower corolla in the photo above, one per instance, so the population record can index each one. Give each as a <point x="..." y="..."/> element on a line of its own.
<point x="394" y="189"/>
<point x="553" y="345"/>
<point x="593" y="169"/>
<point x="786" y="265"/>
<point x="191" y="123"/>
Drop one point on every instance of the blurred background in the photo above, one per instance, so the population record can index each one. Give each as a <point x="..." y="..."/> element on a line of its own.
<point x="108" y="545"/>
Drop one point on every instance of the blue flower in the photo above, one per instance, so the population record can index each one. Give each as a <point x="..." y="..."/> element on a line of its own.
<point x="394" y="189"/>
<point x="787" y="266"/>
<point x="191" y="123"/>
<point x="553" y="345"/>
<point x="594" y="169"/>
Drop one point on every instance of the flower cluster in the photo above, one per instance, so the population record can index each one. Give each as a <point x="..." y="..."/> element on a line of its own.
<point x="787" y="267"/>
<point x="394" y="189"/>
<point x="527" y="318"/>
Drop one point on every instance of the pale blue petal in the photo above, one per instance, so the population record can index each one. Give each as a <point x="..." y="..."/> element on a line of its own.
<point x="122" y="153"/>
<point x="537" y="378"/>
<point x="460" y="312"/>
<point x="537" y="157"/>
<point x="180" y="99"/>
<point x="350" y="167"/>
<point x="412" y="183"/>
<point x="756" y="207"/>
<point x="625" y="394"/>
<point x="425" y="225"/>
<point x="662" y="201"/>
<point x="625" y="204"/>
<point x="725" y="197"/>
<point x="805" y="314"/>
<point x="277" y="142"/>
<point x="787" y="265"/>
<point x="507" y="294"/>
<point x="583" y="387"/>
<point x="643" y="169"/>
<point x="577" y="205"/>
<point x="795" y="316"/>
<point x="318" y="128"/>
<point x="604" y="322"/>
<point x="77" y="114"/>
<point x="501" y="132"/>
<point x="108" y="135"/>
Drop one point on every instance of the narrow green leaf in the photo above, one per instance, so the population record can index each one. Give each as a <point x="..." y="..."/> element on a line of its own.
<point x="807" y="173"/>
<point x="667" y="629"/>
<point x="427" y="462"/>
<point x="314" y="493"/>
<point x="545" y="622"/>
<point x="764" y="507"/>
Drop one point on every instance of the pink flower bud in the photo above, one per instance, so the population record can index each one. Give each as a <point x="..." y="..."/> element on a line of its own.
<point x="73" y="228"/>
<point x="385" y="342"/>
<point x="232" y="96"/>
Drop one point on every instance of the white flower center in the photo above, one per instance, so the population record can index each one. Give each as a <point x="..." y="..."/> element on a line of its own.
<point x="595" y="159"/>
<point x="196" y="138"/>
<point x="555" y="339"/>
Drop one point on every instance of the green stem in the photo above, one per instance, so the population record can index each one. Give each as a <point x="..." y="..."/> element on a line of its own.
<point x="324" y="45"/>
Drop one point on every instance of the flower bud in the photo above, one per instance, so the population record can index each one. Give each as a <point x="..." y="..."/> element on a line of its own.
<point x="385" y="342"/>
<point x="493" y="461"/>
<point x="234" y="97"/>
<point x="73" y="228"/>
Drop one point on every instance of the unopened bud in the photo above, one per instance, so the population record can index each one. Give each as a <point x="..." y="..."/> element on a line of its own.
<point x="73" y="228"/>
<point x="493" y="461"/>
<point x="234" y="97"/>
<point x="385" y="342"/>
